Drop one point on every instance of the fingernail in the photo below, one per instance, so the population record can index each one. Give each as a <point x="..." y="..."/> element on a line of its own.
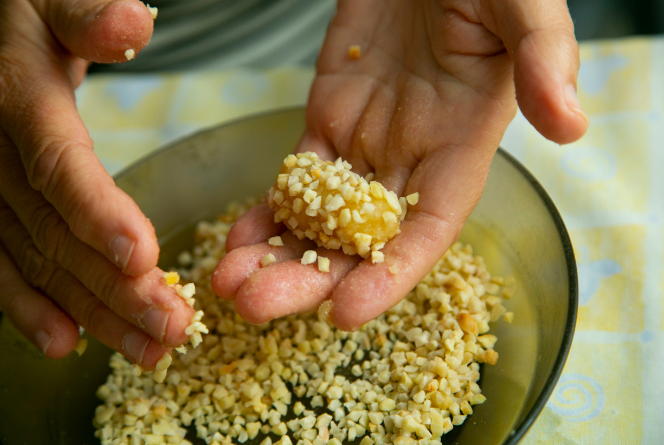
<point x="43" y="340"/>
<point x="134" y="345"/>
<point x="122" y="248"/>
<point x="573" y="102"/>
<point x="155" y="321"/>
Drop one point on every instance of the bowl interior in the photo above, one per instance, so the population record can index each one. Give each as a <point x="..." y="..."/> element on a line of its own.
<point x="515" y="227"/>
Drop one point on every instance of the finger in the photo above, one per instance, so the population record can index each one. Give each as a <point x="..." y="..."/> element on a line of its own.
<point x="98" y="30"/>
<point x="290" y="287"/>
<point x="540" y="37"/>
<point x="144" y="300"/>
<point x="57" y="155"/>
<point x="254" y="226"/>
<point x="77" y="71"/>
<point x="450" y="182"/>
<point x="35" y="316"/>
<point x="317" y="144"/>
<point x="239" y="264"/>
<point x="70" y="295"/>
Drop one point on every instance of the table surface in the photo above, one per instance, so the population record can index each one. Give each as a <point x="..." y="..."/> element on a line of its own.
<point x="608" y="186"/>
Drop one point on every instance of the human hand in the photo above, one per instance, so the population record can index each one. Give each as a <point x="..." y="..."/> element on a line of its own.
<point x="424" y="107"/>
<point x="74" y="249"/>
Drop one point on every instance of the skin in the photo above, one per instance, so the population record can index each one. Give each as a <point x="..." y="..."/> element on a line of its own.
<point x="424" y="107"/>
<point x="61" y="214"/>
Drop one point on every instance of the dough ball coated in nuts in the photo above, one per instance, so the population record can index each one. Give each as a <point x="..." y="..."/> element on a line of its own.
<point x="329" y="204"/>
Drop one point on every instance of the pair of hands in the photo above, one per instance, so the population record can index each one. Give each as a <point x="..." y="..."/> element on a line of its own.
<point x="424" y="107"/>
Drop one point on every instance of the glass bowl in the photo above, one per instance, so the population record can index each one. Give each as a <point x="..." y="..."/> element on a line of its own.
<point x="515" y="227"/>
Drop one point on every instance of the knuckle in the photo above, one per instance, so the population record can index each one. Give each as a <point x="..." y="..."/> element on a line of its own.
<point x="50" y="163"/>
<point x="108" y="288"/>
<point x="89" y="312"/>
<point x="45" y="164"/>
<point x="77" y="301"/>
<point x="57" y="171"/>
<point x="49" y="231"/>
<point x="35" y="268"/>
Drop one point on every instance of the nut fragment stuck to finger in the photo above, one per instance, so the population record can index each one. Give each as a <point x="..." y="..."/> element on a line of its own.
<point x="354" y="52"/>
<point x="186" y="292"/>
<point x="413" y="198"/>
<point x="268" y="259"/>
<point x="324" y="311"/>
<point x="171" y="278"/>
<point x="161" y="368"/>
<point x="323" y="264"/>
<point x="164" y="362"/>
<point x="81" y="346"/>
<point x="136" y="370"/>
<point x="309" y="257"/>
<point x="338" y="209"/>
<point x="377" y="257"/>
<point x="153" y="11"/>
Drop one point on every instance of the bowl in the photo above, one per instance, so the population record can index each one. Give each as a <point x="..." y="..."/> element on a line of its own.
<point x="515" y="227"/>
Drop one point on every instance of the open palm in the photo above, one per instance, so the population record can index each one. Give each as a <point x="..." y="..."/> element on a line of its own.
<point x="424" y="107"/>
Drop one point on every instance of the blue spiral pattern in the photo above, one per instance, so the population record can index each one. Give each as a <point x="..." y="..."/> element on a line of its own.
<point x="577" y="397"/>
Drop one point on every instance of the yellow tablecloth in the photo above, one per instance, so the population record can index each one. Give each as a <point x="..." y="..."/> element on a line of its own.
<point x="609" y="187"/>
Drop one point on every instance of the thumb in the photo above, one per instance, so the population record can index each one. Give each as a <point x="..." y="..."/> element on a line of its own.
<point x="540" y="37"/>
<point x="98" y="30"/>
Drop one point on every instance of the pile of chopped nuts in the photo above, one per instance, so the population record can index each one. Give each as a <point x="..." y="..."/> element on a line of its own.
<point x="338" y="209"/>
<point x="407" y="377"/>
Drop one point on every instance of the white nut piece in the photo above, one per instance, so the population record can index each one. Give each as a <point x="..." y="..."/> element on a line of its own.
<point x="377" y="257"/>
<point x="153" y="11"/>
<point x="323" y="264"/>
<point x="164" y="362"/>
<point x="268" y="259"/>
<point x="309" y="257"/>
<point x="413" y="198"/>
<point x="81" y="346"/>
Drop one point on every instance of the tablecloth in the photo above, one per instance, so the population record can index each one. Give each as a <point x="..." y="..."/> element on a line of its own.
<point x="609" y="187"/>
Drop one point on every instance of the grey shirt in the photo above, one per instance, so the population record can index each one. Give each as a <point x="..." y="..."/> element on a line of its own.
<point x="229" y="33"/>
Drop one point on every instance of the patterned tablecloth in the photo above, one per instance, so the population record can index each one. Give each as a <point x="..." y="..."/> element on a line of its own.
<point x="609" y="187"/>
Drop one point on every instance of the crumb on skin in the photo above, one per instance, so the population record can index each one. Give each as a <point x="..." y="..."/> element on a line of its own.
<point x="268" y="259"/>
<point x="81" y="346"/>
<point x="324" y="312"/>
<point x="120" y="25"/>
<point x="154" y="11"/>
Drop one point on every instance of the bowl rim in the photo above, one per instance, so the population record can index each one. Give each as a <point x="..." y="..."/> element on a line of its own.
<point x="522" y="428"/>
<point x="572" y="304"/>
